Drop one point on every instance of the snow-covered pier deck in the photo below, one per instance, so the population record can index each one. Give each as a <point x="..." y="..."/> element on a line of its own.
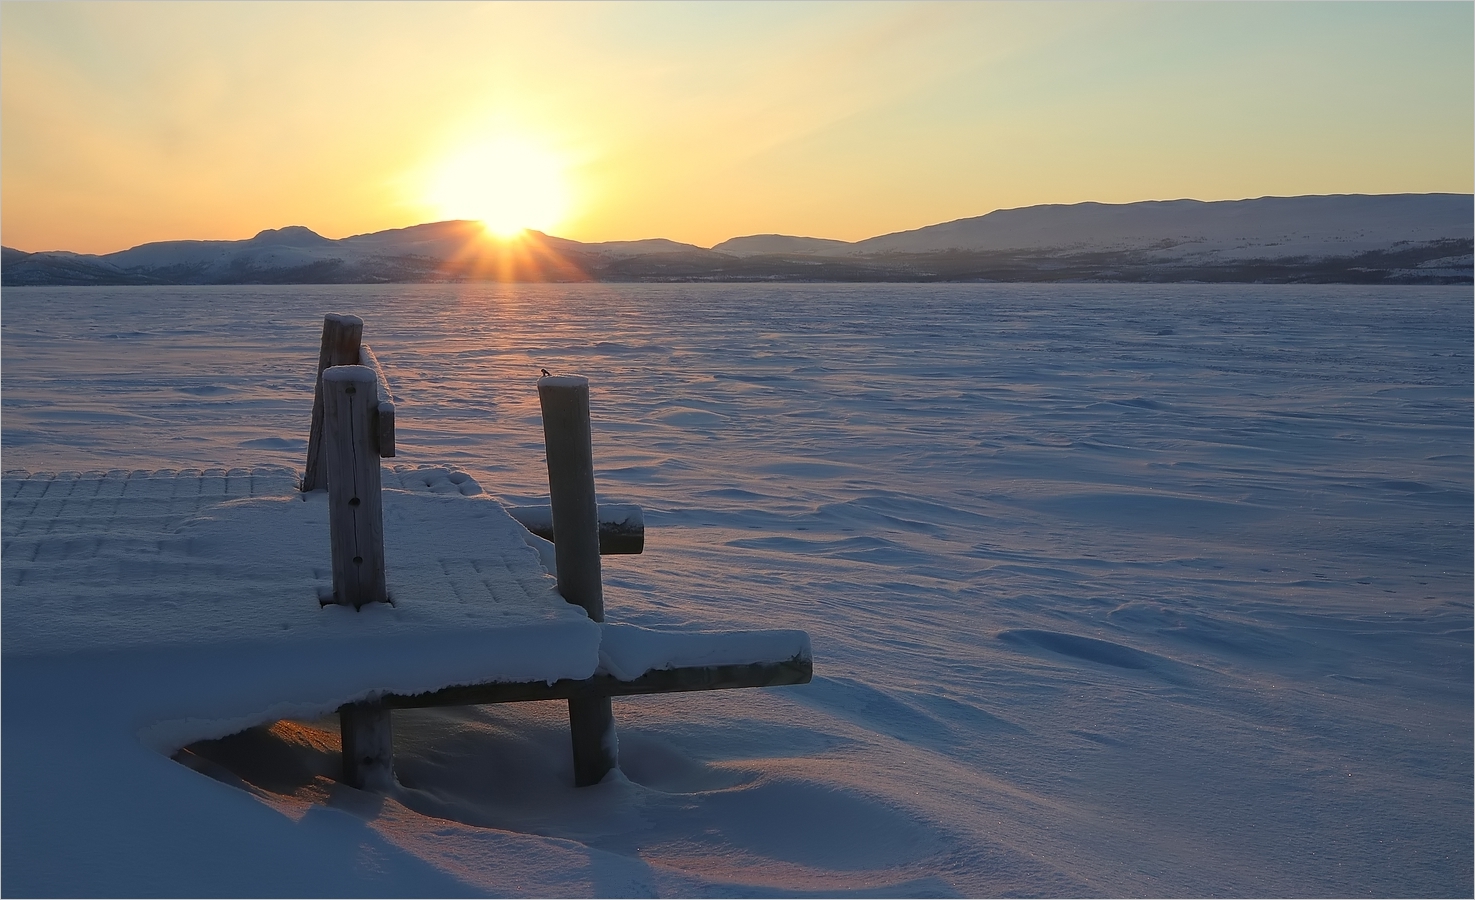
<point x="147" y="610"/>
<point x="205" y="593"/>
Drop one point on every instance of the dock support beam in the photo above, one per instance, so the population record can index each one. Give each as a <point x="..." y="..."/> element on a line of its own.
<point x="368" y="747"/>
<point x="570" y="450"/>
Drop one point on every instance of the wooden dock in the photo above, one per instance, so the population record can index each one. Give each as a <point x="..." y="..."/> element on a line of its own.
<point x="410" y="576"/>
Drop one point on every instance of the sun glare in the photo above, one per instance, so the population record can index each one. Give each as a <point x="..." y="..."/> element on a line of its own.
<point x="509" y="184"/>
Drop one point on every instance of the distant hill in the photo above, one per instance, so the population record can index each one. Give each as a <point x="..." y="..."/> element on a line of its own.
<point x="435" y="252"/>
<point x="1270" y="227"/>
<point x="757" y="244"/>
<point x="1359" y="239"/>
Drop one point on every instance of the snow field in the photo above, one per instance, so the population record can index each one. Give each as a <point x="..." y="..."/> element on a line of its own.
<point x="1112" y="590"/>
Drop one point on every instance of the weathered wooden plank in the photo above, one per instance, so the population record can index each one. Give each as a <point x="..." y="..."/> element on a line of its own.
<point x="570" y="450"/>
<point x="798" y="670"/>
<point x="384" y="416"/>
<point x="355" y="510"/>
<point x="621" y="526"/>
<point x="340" y="347"/>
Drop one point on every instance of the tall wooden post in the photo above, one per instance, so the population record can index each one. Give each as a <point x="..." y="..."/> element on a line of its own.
<point x="356" y="533"/>
<point x="340" y="347"/>
<point x="570" y="450"/>
<point x="355" y="510"/>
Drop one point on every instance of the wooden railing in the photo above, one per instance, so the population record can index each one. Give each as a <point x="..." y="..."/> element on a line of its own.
<point x="353" y="428"/>
<point x="343" y="345"/>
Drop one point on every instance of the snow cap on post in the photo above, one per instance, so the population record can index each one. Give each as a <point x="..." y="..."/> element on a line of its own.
<point x="563" y="381"/>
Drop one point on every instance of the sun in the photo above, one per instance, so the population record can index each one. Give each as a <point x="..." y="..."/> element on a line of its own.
<point x="509" y="183"/>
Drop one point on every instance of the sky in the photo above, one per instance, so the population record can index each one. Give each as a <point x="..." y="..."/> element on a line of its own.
<point x="123" y="123"/>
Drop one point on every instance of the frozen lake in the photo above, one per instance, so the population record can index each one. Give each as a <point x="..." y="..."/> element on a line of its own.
<point x="1113" y="590"/>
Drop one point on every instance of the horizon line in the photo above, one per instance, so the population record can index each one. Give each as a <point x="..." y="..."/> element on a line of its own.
<point x="525" y="231"/>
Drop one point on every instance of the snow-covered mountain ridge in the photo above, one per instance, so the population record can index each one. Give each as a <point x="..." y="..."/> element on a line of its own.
<point x="1268" y="226"/>
<point x="1418" y="238"/>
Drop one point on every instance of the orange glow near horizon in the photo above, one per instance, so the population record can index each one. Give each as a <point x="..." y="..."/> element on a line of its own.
<point x="134" y="122"/>
<point x="519" y="258"/>
<point x="509" y="183"/>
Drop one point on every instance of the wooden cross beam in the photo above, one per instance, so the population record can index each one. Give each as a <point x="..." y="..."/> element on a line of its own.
<point x="621" y="526"/>
<point x="368" y="756"/>
<point x="798" y="670"/>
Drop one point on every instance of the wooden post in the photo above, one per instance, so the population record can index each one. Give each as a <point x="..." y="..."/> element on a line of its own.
<point x="356" y="533"/>
<point x="384" y="428"/>
<point x="355" y="510"/>
<point x="570" y="449"/>
<point x="340" y="347"/>
<point x="368" y="747"/>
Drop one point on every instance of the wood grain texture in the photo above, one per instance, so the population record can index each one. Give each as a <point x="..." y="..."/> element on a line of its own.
<point x="355" y="505"/>
<point x="570" y="450"/>
<point x="368" y="747"/>
<point x="340" y="347"/>
<point x="799" y="670"/>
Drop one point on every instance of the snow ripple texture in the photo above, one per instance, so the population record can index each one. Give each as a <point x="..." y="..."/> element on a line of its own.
<point x="1113" y="590"/>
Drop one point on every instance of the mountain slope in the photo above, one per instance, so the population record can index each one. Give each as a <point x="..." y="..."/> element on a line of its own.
<point x="1351" y="238"/>
<point x="1369" y="239"/>
<point x="1268" y="227"/>
<point x="756" y="244"/>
